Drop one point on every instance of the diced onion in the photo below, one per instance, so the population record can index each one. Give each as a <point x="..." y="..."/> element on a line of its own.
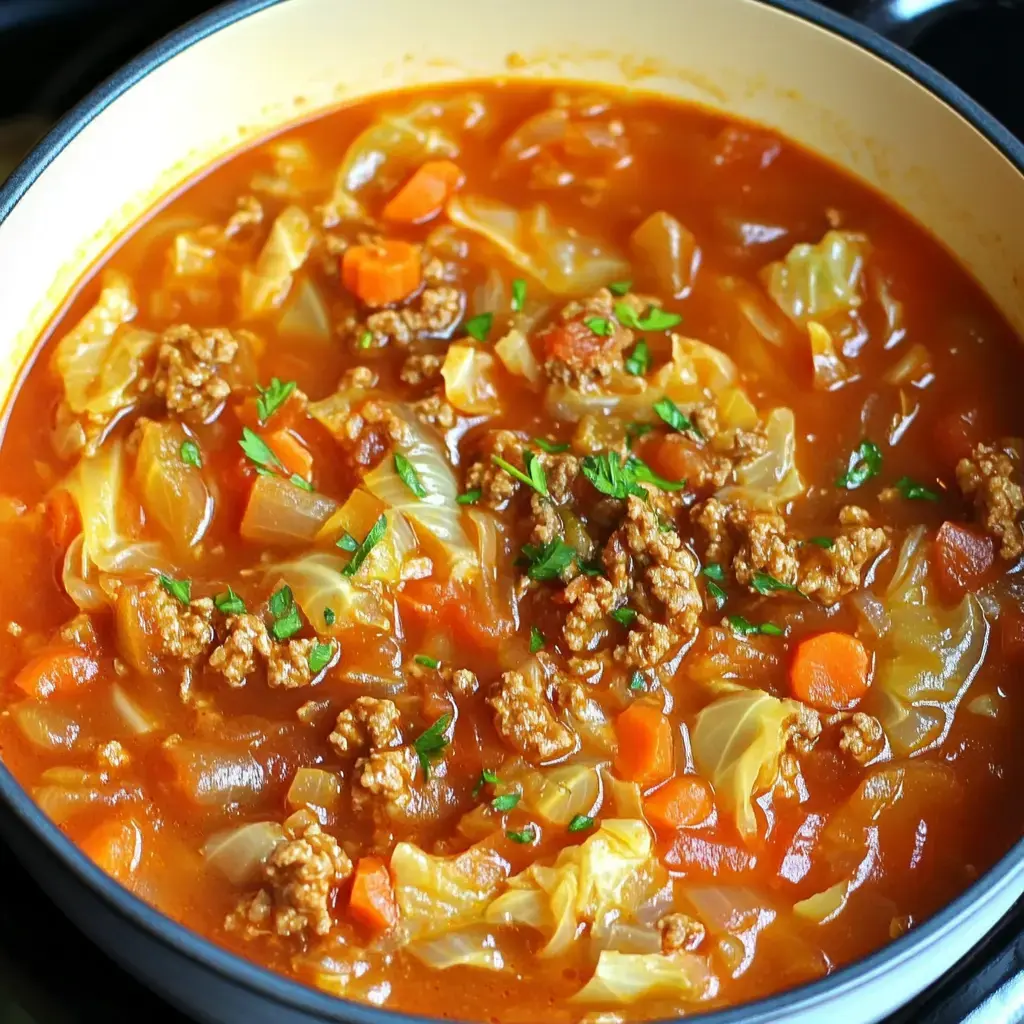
<point x="515" y="352"/>
<point x="279" y="512"/>
<point x="317" y="789"/>
<point x="559" y="794"/>
<point x="239" y="854"/>
<point x="46" y="727"/>
<point x="470" y="383"/>
<point x="670" y="251"/>
<point x="131" y="714"/>
<point x="214" y="775"/>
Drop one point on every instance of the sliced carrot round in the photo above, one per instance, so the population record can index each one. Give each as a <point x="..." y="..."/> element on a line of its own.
<point x="423" y="196"/>
<point x="682" y="801"/>
<point x="645" y="753"/>
<point x="830" y="670"/>
<point x="372" y="901"/>
<point x="383" y="272"/>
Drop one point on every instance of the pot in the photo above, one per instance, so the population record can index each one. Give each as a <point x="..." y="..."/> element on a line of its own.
<point x="254" y="65"/>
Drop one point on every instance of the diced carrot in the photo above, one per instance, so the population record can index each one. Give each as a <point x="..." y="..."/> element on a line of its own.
<point x="963" y="556"/>
<point x="57" y="671"/>
<point x="63" y="523"/>
<point x="372" y="902"/>
<point x="645" y="745"/>
<point x="116" y="846"/>
<point x="423" y="196"/>
<point x="450" y="608"/>
<point x="685" y="800"/>
<point x="382" y="273"/>
<point x="675" y="457"/>
<point x="1011" y="635"/>
<point x="294" y="455"/>
<point x="830" y="670"/>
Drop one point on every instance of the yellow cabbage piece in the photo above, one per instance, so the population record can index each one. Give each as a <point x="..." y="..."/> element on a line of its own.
<point x="356" y="518"/>
<point x="469" y="380"/>
<point x="669" y="253"/>
<point x="559" y="794"/>
<point x="830" y="372"/>
<point x="624" y="978"/>
<point x="737" y="742"/>
<point x="771" y="479"/>
<point x="470" y="947"/>
<point x="612" y="870"/>
<point x="515" y="353"/>
<point x="265" y="286"/>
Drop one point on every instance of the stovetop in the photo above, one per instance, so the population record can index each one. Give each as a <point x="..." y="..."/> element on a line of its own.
<point x="52" y="52"/>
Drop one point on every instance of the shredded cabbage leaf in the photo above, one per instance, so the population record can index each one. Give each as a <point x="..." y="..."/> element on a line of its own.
<point x="469" y="380"/>
<point x="470" y="947"/>
<point x="770" y="479"/>
<point x="625" y="978"/>
<point x="265" y="286"/>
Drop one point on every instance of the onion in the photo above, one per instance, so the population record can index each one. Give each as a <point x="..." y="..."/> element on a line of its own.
<point x="239" y="854"/>
<point x="281" y="513"/>
<point x="81" y="580"/>
<point x="624" y="938"/>
<point x="670" y="251"/>
<point x="316" y="789"/>
<point x="625" y="797"/>
<point x="45" y="727"/>
<point x="306" y="315"/>
<point x="213" y="775"/>
<point x="132" y="715"/>
<point x="984" y="705"/>
<point x="515" y="353"/>
<point x="496" y="583"/>
<point x="266" y="286"/>
<point x="913" y="367"/>
<point x="830" y="372"/>
<point x="872" y="612"/>
<point x="559" y="794"/>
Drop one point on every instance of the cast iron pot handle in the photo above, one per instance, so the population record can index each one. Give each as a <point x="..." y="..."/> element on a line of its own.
<point x="903" y="21"/>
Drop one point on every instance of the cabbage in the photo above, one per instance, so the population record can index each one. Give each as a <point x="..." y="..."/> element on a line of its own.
<point x="624" y="978"/>
<point x="771" y="479"/>
<point x="563" y="260"/>
<point x="818" y="282"/>
<point x="174" y="493"/>
<point x="929" y="656"/>
<point x="317" y="789"/>
<point x="318" y="585"/>
<point x="356" y="518"/>
<point x="279" y="512"/>
<point x="670" y="253"/>
<point x="830" y="372"/>
<point x="437" y="894"/>
<point x="239" y="854"/>
<point x="496" y="583"/>
<point x="515" y="353"/>
<point x="469" y="380"/>
<point x="306" y="314"/>
<point x="437" y="518"/>
<point x="614" y="869"/>
<point x="559" y="794"/>
<point x="737" y="742"/>
<point x="265" y="286"/>
<point x="824" y="906"/>
<point x="130" y="713"/>
<point x="471" y="947"/>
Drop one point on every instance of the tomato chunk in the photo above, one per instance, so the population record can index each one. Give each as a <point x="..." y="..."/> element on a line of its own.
<point x="963" y="556"/>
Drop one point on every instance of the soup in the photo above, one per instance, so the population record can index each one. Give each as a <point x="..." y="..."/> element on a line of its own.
<point x="523" y="553"/>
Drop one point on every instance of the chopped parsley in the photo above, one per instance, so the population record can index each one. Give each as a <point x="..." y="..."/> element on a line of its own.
<point x="180" y="590"/>
<point x="471" y="497"/>
<point x="620" y="287"/>
<point x="747" y="628"/>
<point x="329" y="616"/>
<point x="229" y="603"/>
<point x="487" y="777"/>
<point x="611" y="476"/>
<point x="536" y="478"/>
<point x="713" y="571"/>
<point x="548" y="561"/>
<point x="824" y="542"/>
<point x="190" y="454"/>
<point x="430" y="743"/>
<point x="765" y="583"/>
<point x="300" y="482"/>
<point x="675" y="418"/>
<point x="655" y="319"/>
<point x="914" y="491"/>
<point x="635" y="430"/>
<point x="638" y="362"/>
<point x="347" y="542"/>
<point x="636" y="682"/>
<point x="580" y="823"/>
<point x="593" y="568"/>
<point x="518" y="295"/>
<point x="505" y="802"/>
<point x="645" y="475"/>
<point x="287" y="621"/>
<point x="479" y="326"/>
<point x="365" y="339"/>
<point x="601" y="326"/>
<point x="320" y="657"/>
<point x="524" y="836"/>
<point x="368" y="544"/>
<point x="427" y="661"/>
<point x="551" y="447"/>
<point x="537" y="640"/>
<point x="258" y="451"/>
<point x="716" y="593"/>
<point x="865" y="463"/>
<point x="407" y="474"/>
<point x="624" y="616"/>
<point x="272" y="397"/>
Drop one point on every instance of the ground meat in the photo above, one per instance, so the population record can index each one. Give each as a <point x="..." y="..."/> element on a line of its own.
<point x="435" y="411"/>
<point x="496" y="486"/>
<point x="680" y="932"/>
<point x="464" y="683"/>
<point x="366" y="722"/>
<point x="389" y="776"/>
<point x="827" y="574"/>
<point x="591" y="599"/>
<point x="862" y="737"/>
<point x="434" y="313"/>
<point x="990" y="476"/>
<point x="184" y="633"/>
<point x="79" y="631"/>
<point x="191" y="369"/>
<point x="299" y="877"/>
<point x="647" y="644"/>
<point x="420" y="368"/>
<point x="369" y="430"/>
<point x="545" y="522"/>
<point x="712" y="517"/>
<point x="524" y="719"/>
<point x="236" y="657"/>
<point x="361" y="377"/>
<point x="803" y="730"/>
<point x="288" y="665"/>
<point x="766" y="548"/>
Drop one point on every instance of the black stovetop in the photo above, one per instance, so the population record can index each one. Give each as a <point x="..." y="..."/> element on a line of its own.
<point x="54" y="51"/>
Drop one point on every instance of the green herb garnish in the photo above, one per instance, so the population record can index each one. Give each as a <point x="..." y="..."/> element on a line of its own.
<point x="636" y="681"/>
<point x="717" y="594"/>
<point x="536" y="478"/>
<point x="914" y="491"/>
<point x="407" y="474"/>
<point x="487" y="777"/>
<point x="518" y="295"/>
<point x="675" y="418"/>
<point x="824" y="542"/>
<point x="180" y="590"/>
<point x="479" y="326"/>
<point x="365" y="339"/>
<point x="611" y="476"/>
<point x="347" y="542"/>
<point x="620" y="287"/>
<point x="287" y="621"/>
<point x="635" y="430"/>
<point x="747" y="628"/>
<point x="505" y="802"/>
<point x="229" y="603"/>
<point x="601" y="326"/>
<point x="654" y="319"/>
<point x="548" y="561"/>
<point x="320" y="657"/>
<point x="580" y="823"/>
<point x="865" y="463"/>
<point x="713" y="571"/>
<point x="189" y="452"/>
<point x="368" y="544"/>
<point x="258" y="451"/>
<point x="593" y="568"/>
<point x="551" y="447"/>
<point x="471" y="497"/>
<point x="537" y="640"/>
<point x="764" y="583"/>
<point x="427" y="661"/>
<point x="430" y="743"/>
<point x="645" y="475"/>
<point x="638" y="362"/>
<point x="329" y="616"/>
<point x="524" y="836"/>
<point x="272" y="397"/>
<point x="624" y="616"/>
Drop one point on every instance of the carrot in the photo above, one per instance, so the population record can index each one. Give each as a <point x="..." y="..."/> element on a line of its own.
<point x="423" y="196"/>
<point x="682" y="801"/>
<point x="830" y="670"/>
<point x="963" y="556"/>
<point x="116" y="846"/>
<point x="645" y="745"/>
<point x="388" y="271"/>
<point x="63" y="523"/>
<point x="294" y="455"/>
<point x="57" y="671"/>
<point x="372" y="902"/>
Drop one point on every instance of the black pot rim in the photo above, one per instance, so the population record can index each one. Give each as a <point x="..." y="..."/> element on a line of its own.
<point x="802" y="999"/>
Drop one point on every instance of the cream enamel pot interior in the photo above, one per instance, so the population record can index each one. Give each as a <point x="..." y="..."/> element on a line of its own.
<point x="258" y="64"/>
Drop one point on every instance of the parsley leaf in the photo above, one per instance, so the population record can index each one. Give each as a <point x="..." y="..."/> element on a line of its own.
<point x="487" y="776"/>
<point x="638" y="362"/>
<point x="580" y="823"/>
<point x="287" y="621"/>
<point x="427" y="661"/>
<point x="280" y="601"/>
<point x="329" y="616"/>
<point x="593" y="568"/>
<point x="299" y="482"/>
<point x="369" y="541"/>
<point x="717" y="594"/>
<point x="365" y="339"/>
<point x="506" y="801"/>
<point x="430" y="743"/>
<point x="407" y="474"/>
<point x="190" y="454"/>
<point x="865" y="463"/>
<point x="537" y="640"/>
<point x="675" y="418"/>
<point x="320" y="657"/>
<point x="601" y="326"/>
<point x="914" y="491"/>
<point x="747" y="628"/>
<point x="611" y="476"/>
<point x="180" y="590"/>
<point x="655" y="319"/>
<point x="645" y="475"/>
<point x="229" y="603"/>
<point x="620" y="287"/>
<point x="636" y="681"/>
<point x="824" y="542"/>
<point x="272" y="397"/>
<point x="624" y="616"/>
<point x="478" y="327"/>
<point x="551" y="447"/>
<point x="524" y="836"/>
<point x="635" y="430"/>
<point x="713" y="571"/>
<point x="536" y="479"/>
<point x="347" y="542"/>
<point x="258" y="451"/>
<point x="764" y="583"/>
<point x="548" y="561"/>
<point x="470" y="497"/>
<point x="518" y="295"/>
